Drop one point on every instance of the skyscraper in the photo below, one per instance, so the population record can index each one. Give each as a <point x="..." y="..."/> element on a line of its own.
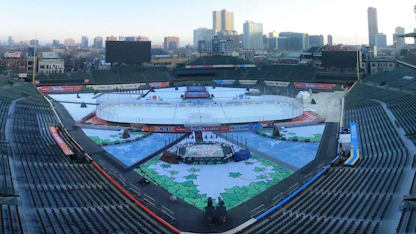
<point x="253" y="35"/>
<point x="316" y="40"/>
<point x="227" y="20"/>
<point x="380" y="40"/>
<point x="295" y="41"/>
<point x="98" y="43"/>
<point x="69" y="42"/>
<point x="142" y="38"/>
<point x="216" y="21"/>
<point x="222" y="20"/>
<point x="398" y="41"/>
<point x="273" y="34"/>
<point x="329" y="41"/>
<point x="34" y="42"/>
<point x="171" y="43"/>
<point x="202" y="34"/>
<point x="130" y="38"/>
<point x="272" y="40"/>
<point x="414" y="39"/>
<point x="84" y="42"/>
<point x="372" y="25"/>
<point x="111" y="38"/>
<point x="10" y="41"/>
<point x="55" y="44"/>
<point x="283" y="43"/>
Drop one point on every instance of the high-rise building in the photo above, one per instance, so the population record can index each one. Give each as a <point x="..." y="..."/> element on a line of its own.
<point x="69" y="42"/>
<point x="157" y="46"/>
<point x="273" y="43"/>
<point x="10" y="41"/>
<point x="380" y="40"/>
<point x="216" y="21"/>
<point x="222" y="21"/>
<point x="130" y="38"/>
<point x="98" y="43"/>
<point x="273" y="34"/>
<point x="111" y="38"/>
<point x="316" y="40"/>
<point x="55" y="44"/>
<point x="272" y="40"/>
<point x="202" y="34"/>
<point x="231" y="36"/>
<point x="296" y="41"/>
<point x="171" y="43"/>
<point x="398" y="42"/>
<point x="372" y="25"/>
<point x="84" y="42"/>
<point x="227" y="20"/>
<point x="34" y="42"/>
<point x="414" y="39"/>
<point x="283" y="43"/>
<point x="329" y="41"/>
<point x="142" y="38"/>
<point x="219" y="46"/>
<point x="253" y="35"/>
<point x="216" y="46"/>
<point x="265" y="42"/>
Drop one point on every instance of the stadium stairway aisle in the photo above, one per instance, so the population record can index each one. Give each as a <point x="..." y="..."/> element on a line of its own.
<point x="361" y="199"/>
<point x="44" y="191"/>
<point x="67" y="196"/>
<point x="408" y="172"/>
<point x="19" y="224"/>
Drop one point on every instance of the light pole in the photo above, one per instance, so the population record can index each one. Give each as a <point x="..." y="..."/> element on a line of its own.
<point x="34" y="66"/>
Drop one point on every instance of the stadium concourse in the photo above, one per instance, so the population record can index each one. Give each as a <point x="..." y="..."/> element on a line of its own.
<point x="55" y="179"/>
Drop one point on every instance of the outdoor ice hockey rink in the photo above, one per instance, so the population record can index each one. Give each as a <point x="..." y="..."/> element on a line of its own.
<point x="167" y="106"/>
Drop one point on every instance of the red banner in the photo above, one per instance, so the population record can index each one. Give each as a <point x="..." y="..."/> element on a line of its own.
<point x="301" y="85"/>
<point x="61" y="143"/>
<point x="59" y="89"/>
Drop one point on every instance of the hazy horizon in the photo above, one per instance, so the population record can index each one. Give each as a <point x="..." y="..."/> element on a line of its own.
<point x="346" y="21"/>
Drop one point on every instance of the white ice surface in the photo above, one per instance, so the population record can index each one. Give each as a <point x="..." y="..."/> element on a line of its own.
<point x="77" y="112"/>
<point x="176" y="114"/>
<point x="107" y="134"/>
<point x="84" y="97"/>
<point x="305" y="131"/>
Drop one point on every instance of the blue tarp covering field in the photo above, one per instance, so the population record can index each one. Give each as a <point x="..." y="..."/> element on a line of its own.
<point x="297" y="154"/>
<point x="131" y="153"/>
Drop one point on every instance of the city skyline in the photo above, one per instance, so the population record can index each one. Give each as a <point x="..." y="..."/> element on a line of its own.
<point x="346" y="23"/>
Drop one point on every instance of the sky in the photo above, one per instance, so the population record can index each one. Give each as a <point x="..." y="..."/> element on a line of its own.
<point x="345" y="20"/>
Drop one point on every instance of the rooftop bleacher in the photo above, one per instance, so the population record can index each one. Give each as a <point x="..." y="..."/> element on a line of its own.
<point x="125" y="74"/>
<point x="402" y="77"/>
<point x="218" y="60"/>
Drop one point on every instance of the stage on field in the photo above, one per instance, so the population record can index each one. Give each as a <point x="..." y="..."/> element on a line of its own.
<point x="235" y="182"/>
